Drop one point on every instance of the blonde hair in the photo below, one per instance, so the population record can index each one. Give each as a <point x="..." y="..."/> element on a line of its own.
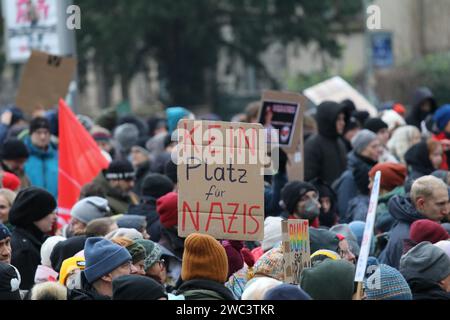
<point x="49" y="291"/>
<point x="424" y="187"/>
<point x="9" y="195"/>
<point x="401" y="140"/>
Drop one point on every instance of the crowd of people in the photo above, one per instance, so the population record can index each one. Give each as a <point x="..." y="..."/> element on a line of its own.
<point x="122" y="242"/>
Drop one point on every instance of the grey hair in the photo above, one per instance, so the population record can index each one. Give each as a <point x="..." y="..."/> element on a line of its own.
<point x="424" y="187"/>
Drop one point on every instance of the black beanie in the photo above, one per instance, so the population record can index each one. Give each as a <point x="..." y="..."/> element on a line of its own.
<point x="293" y="192"/>
<point x="170" y="170"/>
<point x="375" y="125"/>
<point x="39" y="123"/>
<point x="133" y="287"/>
<point x="120" y="170"/>
<point x="31" y="204"/>
<point x="156" y="185"/>
<point x="66" y="249"/>
<point x="9" y="282"/>
<point x="14" y="149"/>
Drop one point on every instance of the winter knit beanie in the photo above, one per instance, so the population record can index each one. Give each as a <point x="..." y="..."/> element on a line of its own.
<point x="4" y="232"/>
<point x="173" y="115"/>
<point x="427" y="230"/>
<point x="156" y="185"/>
<point x="131" y="234"/>
<point x="9" y="282"/>
<point x="293" y="192"/>
<point x="235" y="260"/>
<point x="39" y="123"/>
<point x="47" y="248"/>
<point x="66" y="249"/>
<point x="14" y="149"/>
<point x="102" y="256"/>
<point x="204" y="258"/>
<point x="10" y="181"/>
<point x="270" y="264"/>
<point x="120" y="170"/>
<point x="31" y="204"/>
<point x="256" y="288"/>
<point x="329" y="280"/>
<point x="392" y="175"/>
<point x="90" y="208"/>
<point x="444" y="245"/>
<point x="362" y="140"/>
<point x="442" y="117"/>
<point x="134" y="287"/>
<point x="137" y="252"/>
<point x="425" y="261"/>
<point x="387" y="283"/>
<point x="375" y="125"/>
<point x="286" y="292"/>
<point x="127" y="135"/>
<point x="131" y="221"/>
<point x="70" y="265"/>
<point x="167" y="208"/>
<point x="272" y="233"/>
<point x="153" y="253"/>
<point x="323" y="239"/>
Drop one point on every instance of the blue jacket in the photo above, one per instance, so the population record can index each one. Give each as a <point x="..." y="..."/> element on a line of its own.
<point x="42" y="167"/>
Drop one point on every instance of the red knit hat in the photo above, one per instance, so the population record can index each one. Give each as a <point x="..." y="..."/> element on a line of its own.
<point x="167" y="207"/>
<point x="392" y="174"/>
<point x="10" y="181"/>
<point x="427" y="230"/>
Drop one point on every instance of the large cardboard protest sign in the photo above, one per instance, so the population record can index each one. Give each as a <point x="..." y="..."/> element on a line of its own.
<point x="337" y="89"/>
<point x="296" y="244"/>
<point x="44" y="81"/>
<point x="220" y="179"/>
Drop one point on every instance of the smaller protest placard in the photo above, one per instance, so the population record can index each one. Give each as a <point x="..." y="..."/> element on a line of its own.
<point x="296" y="244"/>
<point x="44" y="81"/>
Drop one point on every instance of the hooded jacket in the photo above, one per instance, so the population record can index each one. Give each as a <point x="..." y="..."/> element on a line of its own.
<point x="416" y="116"/>
<point x="349" y="184"/>
<point x="325" y="153"/>
<point x="42" y="167"/>
<point x="404" y="213"/>
<point x="142" y="171"/>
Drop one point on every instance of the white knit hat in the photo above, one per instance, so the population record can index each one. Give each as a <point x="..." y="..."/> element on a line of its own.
<point x="47" y="248"/>
<point x="272" y="233"/>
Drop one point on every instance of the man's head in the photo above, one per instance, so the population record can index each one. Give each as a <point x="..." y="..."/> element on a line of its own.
<point x="139" y="156"/>
<point x="101" y="227"/>
<point x="34" y="206"/>
<point x="367" y="144"/>
<point x="86" y="210"/>
<point x="5" y="244"/>
<point x="380" y="128"/>
<point x="430" y="197"/>
<point x="301" y="199"/>
<point x="14" y="154"/>
<point x="120" y="175"/>
<point x="40" y="132"/>
<point x="105" y="261"/>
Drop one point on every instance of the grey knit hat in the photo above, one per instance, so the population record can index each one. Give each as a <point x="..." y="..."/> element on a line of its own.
<point x="425" y="261"/>
<point x="153" y="253"/>
<point x="90" y="208"/>
<point x="362" y="140"/>
<point x="127" y="135"/>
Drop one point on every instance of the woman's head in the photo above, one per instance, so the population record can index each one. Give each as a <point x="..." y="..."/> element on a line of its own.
<point x="6" y="200"/>
<point x="402" y="140"/>
<point x="435" y="153"/>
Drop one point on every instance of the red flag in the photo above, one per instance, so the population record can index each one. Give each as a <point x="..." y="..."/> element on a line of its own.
<point x="80" y="161"/>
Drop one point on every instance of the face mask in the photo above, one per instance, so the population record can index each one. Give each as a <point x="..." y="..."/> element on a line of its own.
<point x="310" y="211"/>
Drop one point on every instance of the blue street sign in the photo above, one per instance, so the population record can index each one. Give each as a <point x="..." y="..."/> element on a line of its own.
<point x="382" y="50"/>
